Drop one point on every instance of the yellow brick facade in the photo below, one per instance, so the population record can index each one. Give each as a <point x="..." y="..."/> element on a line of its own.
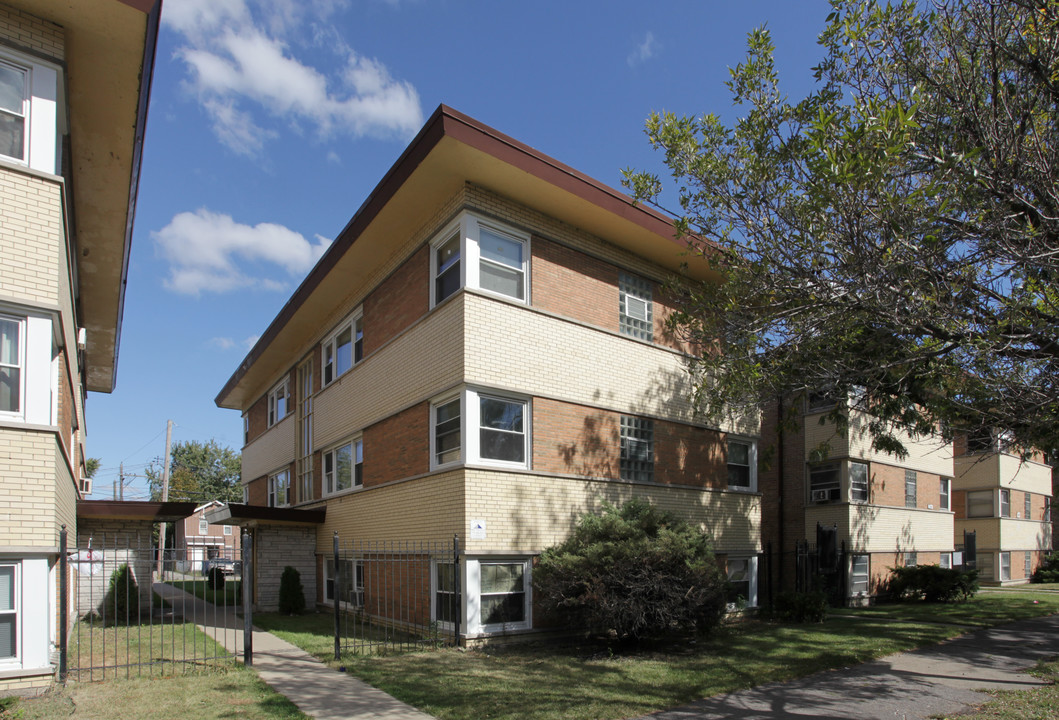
<point x="31" y="233"/>
<point x="925" y="454"/>
<point x="879" y="529"/>
<point x="29" y="475"/>
<point x="26" y="31"/>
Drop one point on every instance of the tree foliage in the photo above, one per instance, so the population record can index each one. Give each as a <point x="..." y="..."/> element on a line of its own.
<point x="893" y="236"/>
<point x="199" y="472"/>
<point x="635" y="571"/>
<point x="291" y="593"/>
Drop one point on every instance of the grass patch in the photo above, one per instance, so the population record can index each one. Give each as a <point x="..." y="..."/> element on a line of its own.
<point x="98" y="652"/>
<point x="1029" y="587"/>
<point x="983" y="610"/>
<point x="235" y="693"/>
<point x="314" y="633"/>
<point x="230" y="596"/>
<point x="1040" y="702"/>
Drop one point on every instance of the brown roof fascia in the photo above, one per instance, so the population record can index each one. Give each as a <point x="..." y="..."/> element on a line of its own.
<point x="240" y="514"/>
<point x="134" y="510"/>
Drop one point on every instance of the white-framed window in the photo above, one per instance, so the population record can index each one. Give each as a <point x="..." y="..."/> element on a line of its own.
<point x="502" y="429"/>
<point x="279" y="489"/>
<point x="445" y="608"/>
<point x="344" y="466"/>
<point x="14" y="111"/>
<point x="1029" y="507"/>
<point x="1005" y="502"/>
<point x="246" y="429"/>
<point x="446" y="437"/>
<point x="911" y="559"/>
<point x="227" y="529"/>
<point x="246" y="494"/>
<point x="278" y="401"/>
<point x="945" y="560"/>
<point x="637" y="453"/>
<point x="859" y="579"/>
<point x="204" y="526"/>
<point x="1005" y="566"/>
<point x="9" y="613"/>
<point x="343" y="349"/>
<point x="29" y="111"/>
<point x="347" y="584"/>
<point x="945" y="499"/>
<point x="503" y="593"/>
<point x="858" y="482"/>
<point x="825" y="483"/>
<point x="635" y="309"/>
<point x="742" y="581"/>
<point x="910" y="488"/>
<point x="12" y="361"/>
<point x="742" y="464"/>
<point x="980" y="503"/>
<point x="482" y="254"/>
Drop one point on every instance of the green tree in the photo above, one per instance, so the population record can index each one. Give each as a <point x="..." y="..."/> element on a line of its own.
<point x="634" y="570"/>
<point x="199" y="472"/>
<point x="893" y="236"/>
<point x="91" y="465"/>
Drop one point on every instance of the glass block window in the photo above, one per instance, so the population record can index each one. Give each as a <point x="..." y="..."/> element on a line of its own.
<point x="910" y="488"/>
<point x="1028" y="569"/>
<point x="637" y="449"/>
<point x="635" y="313"/>
<point x="1029" y="507"/>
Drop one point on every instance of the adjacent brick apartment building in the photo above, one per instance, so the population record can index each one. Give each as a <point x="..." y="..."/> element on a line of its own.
<point x="482" y="352"/>
<point x="74" y="80"/>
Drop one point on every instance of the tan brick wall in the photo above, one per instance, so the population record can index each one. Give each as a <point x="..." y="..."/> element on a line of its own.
<point x="398" y="447"/>
<point x="271" y="450"/>
<point x="872" y="528"/>
<point x="28" y="31"/>
<point x="28" y="478"/>
<point x="1028" y="476"/>
<point x="27" y="686"/>
<point x="398" y="302"/>
<point x="525" y="513"/>
<point x="31" y="229"/>
<point x="66" y="494"/>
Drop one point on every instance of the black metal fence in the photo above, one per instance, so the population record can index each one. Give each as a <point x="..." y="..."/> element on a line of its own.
<point x="393" y="595"/>
<point x="131" y="610"/>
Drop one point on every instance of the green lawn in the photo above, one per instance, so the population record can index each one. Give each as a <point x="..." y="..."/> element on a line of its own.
<point x="1039" y="704"/>
<point x="983" y="610"/>
<point x="232" y="694"/>
<point x="229" y="597"/>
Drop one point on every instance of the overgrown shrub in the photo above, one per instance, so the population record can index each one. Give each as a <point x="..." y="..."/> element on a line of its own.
<point x="635" y="571"/>
<point x="291" y="594"/>
<point x="1048" y="570"/>
<point x="215" y="578"/>
<point x="799" y="607"/>
<point x="932" y="583"/>
<point x="121" y="604"/>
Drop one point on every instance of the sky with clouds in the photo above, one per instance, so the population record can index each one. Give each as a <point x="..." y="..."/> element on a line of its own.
<point x="272" y="120"/>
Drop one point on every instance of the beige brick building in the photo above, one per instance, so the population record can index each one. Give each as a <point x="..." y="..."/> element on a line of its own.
<point x="74" y="81"/>
<point x="483" y="352"/>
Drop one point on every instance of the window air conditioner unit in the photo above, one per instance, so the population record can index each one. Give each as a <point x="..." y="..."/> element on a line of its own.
<point x="86" y="486"/>
<point x="820" y="495"/>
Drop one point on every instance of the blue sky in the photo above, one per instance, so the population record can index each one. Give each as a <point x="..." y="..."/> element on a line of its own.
<point x="271" y="121"/>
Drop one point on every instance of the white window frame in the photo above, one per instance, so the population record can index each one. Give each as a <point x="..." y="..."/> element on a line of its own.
<point x="278" y="391"/>
<point x="204" y="526"/>
<point x="227" y="529"/>
<point x="274" y="486"/>
<point x="435" y="463"/>
<point x="356" y="570"/>
<point x="911" y="558"/>
<point x="330" y="481"/>
<point x="945" y="494"/>
<point x="1005" y="565"/>
<point x="867" y="482"/>
<point x="751" y="459"/>
<point x="860" y="583"/>
<point x="638" y="289"/>
<point x="18" y="365"/>
<point x="355" y="325"/>
<point x="1005" y="503"/>
<point x="473" y="584"/>
<point x="468" y="227"/>
<point x="751" y="569"/>
<point x="945" y="560"/>
<point x="41" y="112"/>
<point x="15" y="612"/>
<point x="470" y="428"/>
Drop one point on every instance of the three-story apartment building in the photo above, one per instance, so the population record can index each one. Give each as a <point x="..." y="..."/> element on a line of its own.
<point x="74" y="80"/>
<point x="483" y="352"/>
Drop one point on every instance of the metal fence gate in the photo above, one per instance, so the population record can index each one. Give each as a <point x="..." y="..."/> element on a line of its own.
<point x="393" y="595"/>
<point x="129" y="610"/>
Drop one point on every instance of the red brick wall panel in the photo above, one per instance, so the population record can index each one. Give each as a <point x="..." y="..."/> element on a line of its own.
<point x="400" y="300"/>
<point x="397" y="447"/>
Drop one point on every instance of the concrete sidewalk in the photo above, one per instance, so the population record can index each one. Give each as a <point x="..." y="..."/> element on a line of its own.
<point x="939" y="680"/>
<point x="317" y="690"/>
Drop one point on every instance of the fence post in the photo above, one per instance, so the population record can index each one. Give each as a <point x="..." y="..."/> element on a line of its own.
<point x="247" y="589"/>
<point x="458" y="594"/>
<point x="64" y="603"/>
<point x="334" y="596"/>
<point x="768" y="572"/>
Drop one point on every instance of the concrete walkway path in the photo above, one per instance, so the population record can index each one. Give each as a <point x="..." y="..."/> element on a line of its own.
<point x="317" y="690"/>
<point x="939" y="680"/>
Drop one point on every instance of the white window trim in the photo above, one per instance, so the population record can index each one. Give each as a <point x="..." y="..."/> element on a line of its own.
<point x="204" y="526"/>
<point x="1000" y="503"/>
<point x="354" y="485"/>
<point x="16" y="611"/>
<point x="228" y="530"/>
<point x="470" y="427"/>
<point x="272" y="494"/>
<point x="1004" y="572"/>
<point x="434" y="405"/>
<point x="472" y="580"/>
<point x="284" y="386"/>
<point x="857" y="593"/>
<point x="39" y="376"/>
<point x="848" y="469"/>
<point x="19" y="364"/>
<point x="945" y="483"/>
<point x="350" y="324"/>
<point x="42" y="112"/>
<point x="468" y="226"/>
<point x="329" y="576"/>
<point x="751" y="569"/>
<point x="752" y="459"/>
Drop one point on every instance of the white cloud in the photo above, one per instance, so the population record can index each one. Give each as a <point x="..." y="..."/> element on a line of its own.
<point x="227" y="343"/>
<point x="210" y="252"/>
<point x="642" y="52"/>
<point x="238" y="59"/>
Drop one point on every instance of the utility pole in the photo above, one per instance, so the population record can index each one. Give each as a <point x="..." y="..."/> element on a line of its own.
<point x="121" y="480"/>
<point x="165" y="495"/>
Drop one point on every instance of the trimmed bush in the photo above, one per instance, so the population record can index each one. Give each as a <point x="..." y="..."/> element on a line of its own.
<point x="796" y="607"/>
<point x="932" y="583"/>
<point x="1048" y="570"/>
<point x="291" y="594"/>
<point x="215" y="578"/>
<point x="636" y="572"/>
<point x="121" y="604"/>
